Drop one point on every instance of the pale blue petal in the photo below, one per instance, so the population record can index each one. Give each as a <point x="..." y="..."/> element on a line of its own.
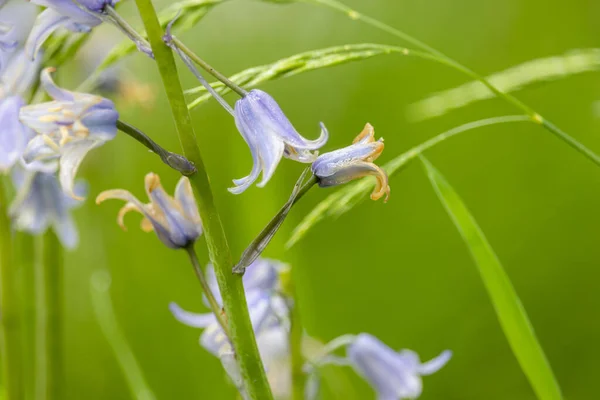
<point x="13" y="134"/>
<point x="435" y="364"/>
<point x="70" y="160"/>
<point x="46" y="23"/>
<point x="192" y="319"/>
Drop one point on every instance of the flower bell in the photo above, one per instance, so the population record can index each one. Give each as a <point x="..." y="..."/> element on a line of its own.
<point x="40" y="204"/>
<point x="270" y="136"/>
<point x="393" y="375"/>
<point x="352" y="162"/>
<point x="74" y="15"/>
<point x="13" y="134"/>
<point x="175" y="220"/>
<point x="67" y="128"/>
<point x="269" y="314"/>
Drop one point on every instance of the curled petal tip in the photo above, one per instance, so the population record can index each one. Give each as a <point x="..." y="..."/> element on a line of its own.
<point x="152" y="181"/>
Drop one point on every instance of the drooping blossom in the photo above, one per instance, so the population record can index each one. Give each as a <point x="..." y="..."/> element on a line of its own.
<point x="40" y="204"/>
<point x="269" y="313"/>
<point x="263" y="125"/>
<point x="67" y="128"/>
<point x="393" y="375"/>
<point x="355" y="161"/>
<point x="174" y="219"/>
<point x="270" y="136"/>
<point x="13" y="134"/>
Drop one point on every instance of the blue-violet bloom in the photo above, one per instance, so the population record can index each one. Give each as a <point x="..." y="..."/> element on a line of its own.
<point x="176" y="221"/>
<point x="269" y="313"/>
<point x="67" y="128"/>
<point x="352" y="162"/>
<point x="13" y="134"/>
<point x="393" y="375"/>
<point x="270" y="136"/>
<point x="40" y="204"/>
<point x="74" y="15"/>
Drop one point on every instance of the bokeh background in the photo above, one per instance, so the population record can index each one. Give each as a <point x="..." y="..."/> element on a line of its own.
<point x="398" y="270"/>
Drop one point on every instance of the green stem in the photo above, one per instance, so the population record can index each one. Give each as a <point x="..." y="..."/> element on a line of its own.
<point x="214" y="305"/>
<point x="441" y="57"/>
<point x="173" y="160"/>
<point x="10" y="338"/>
<point x="226" y="81"/>
<point x="258" y="245"/>
<point x="25" y="246"/>
<point x="49" y="327"/>
<point x="231" y="286"/>
<point x="296" y="334"/>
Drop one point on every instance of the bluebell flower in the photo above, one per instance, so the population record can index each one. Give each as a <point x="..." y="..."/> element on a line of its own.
<point x="269" y="313"/>
<point x="393" y="375"/>
<point x="76" y="16"/>
<point x="175" y="220"/>
<point x="41" y="204"/>
<point x="270" y="136"/>
<point x="13" y="134"/>
<point x="352" y="162"/>
<point x="67" y="128"/>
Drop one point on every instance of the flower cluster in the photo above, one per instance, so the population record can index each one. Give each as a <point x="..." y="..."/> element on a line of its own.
<point x="393" y="375"/>
<point x="43" y="144"/>
<point x="269" y="312"/>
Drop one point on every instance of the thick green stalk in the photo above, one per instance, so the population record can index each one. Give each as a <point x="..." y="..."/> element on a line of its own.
<point x="10" y="338"/>
<point x="441" y="57"/>
<point x="296" y="334"/>
<point x="25" y="247"/>
<point x="50" y="377"/>
<point x="232" y="289"/>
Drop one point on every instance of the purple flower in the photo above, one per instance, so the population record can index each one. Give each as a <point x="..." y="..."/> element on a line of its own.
<point x="67" y="128"/>
<point x="13" y="134"/>
<point x="393" y="375"/>
<point x="77" y="16"/>
<point x="270" y="136"/>
<point x="269" y="313"/>
<point x="41" y="204"/>
<point x="352" y="162"/>
<point x="175" y="220"/>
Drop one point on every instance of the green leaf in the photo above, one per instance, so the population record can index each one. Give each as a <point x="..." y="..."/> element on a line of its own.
<point x="297" y="64"/>
<point x="511" y="313"/>
<point x="510" y="80"/>
<point x="349" y="196"/>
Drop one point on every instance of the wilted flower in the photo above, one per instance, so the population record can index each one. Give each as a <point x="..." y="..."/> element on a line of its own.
<point x="175" y="220"/>
<point x="393" y="375"/>
<point x="13" y="134"/>
<point x="74" y="15"/>
<point x="67" y="127"/>
<point x="40" y="204"/>
<point x="270" y="135"/>
<point x="352" y="162"/>
<point x="269" y="313"/>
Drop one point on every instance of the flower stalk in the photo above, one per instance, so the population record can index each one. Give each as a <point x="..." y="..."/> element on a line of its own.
<point x="10" y="338"/>
<point x="232" y="290"/>
<point x="173" y="160"/>
<point x="49" y="322"/>
<point x="258" y="245"/>
<point x="194" y="57"/>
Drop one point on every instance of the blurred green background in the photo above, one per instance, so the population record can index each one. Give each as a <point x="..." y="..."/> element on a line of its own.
<point x="399" y="270"/>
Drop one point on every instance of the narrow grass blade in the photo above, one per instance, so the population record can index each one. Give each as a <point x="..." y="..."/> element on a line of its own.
<point x="104" y="310"/>
<point x="511" y="313"/>
<point x="297" y="64"/>
<point x="510" y="80"/>
<point x="352" y="194"/>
